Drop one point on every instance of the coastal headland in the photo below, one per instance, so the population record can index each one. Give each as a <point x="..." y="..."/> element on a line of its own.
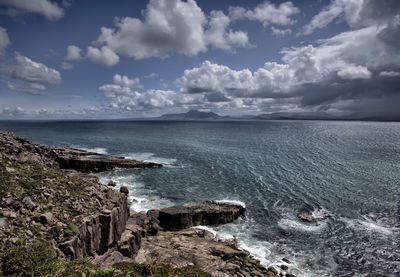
<point x="58" y="220"/>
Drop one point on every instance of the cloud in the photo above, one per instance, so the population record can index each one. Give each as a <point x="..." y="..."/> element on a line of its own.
<point x="67" y="66"/>
<point x="12" y="112"/>
<point x="121" y="86"/>
<point x="104" y="55"/>
<point x="280" y="32"/>
<point x="47" y="8"/>
<point x="124" y="81"/>
<point x="152" y="75"/>
<point x="4" y="41"/>
<point x="218" y="36"/>
<point x="351" y="72"/>
<point x="171" y="26"/>
<point x="267" y="13"/>
<point x="332" y="77"/>
<point x="73" y="52"/>
<point x="389" y="74"/>
<point x="32" y="77"/>
<point x="355" y="12"/>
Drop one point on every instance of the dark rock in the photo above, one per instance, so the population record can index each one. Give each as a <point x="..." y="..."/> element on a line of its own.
<point x="273" y="270"/>
<point x="308" y="216"/>
<point x="206" y="213"/>
<point x="46" y="218"/>
<point x="112" y="183"/>
<point x="286" y="260"/>
<point x="130" y="241"/>
<point x="124" y="190"/>
<point x="289" y="275"/>
<point x="4" y="225"/>
<point x="148" y="222"/>
<point x="29" y="203"/>
<point x="284" y="267"/>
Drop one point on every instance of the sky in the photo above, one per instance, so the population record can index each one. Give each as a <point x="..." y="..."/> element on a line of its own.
<point x="101" y="59"/>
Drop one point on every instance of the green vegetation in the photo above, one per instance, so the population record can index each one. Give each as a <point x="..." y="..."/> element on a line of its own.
<point x="41" y="259"/>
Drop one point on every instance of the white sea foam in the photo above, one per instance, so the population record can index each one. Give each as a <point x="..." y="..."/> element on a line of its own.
<point x="150" y="157"/>
<point x="320" y="214"/>
<point x="140" y="197"/>
<point x="369" y="225"/>
<point x="263" y="251"/>
<point x="289" y="224"/>
<point x="98" y="150"/>
<point x="231" y="202"/>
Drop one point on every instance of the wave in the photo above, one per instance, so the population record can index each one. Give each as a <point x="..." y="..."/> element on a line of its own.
<point x="140" y="198"/>
<point x="369" y="225"/>
<point x="232" y="202"/>
<point x="269" y="254"/>
<point x="150" y="157"/>
<point x="98" y="150"/>
<point x="289" y="224"/>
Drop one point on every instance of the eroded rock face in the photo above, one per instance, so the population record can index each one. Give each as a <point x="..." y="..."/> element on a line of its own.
<point x="206" y="213"/>
<point x="97" y="233"/>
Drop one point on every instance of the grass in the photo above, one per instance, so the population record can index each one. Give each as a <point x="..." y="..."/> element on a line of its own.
<point x="40" y="259"/>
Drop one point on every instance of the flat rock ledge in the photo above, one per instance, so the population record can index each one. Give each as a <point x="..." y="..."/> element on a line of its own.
<point x="83" y="161"/>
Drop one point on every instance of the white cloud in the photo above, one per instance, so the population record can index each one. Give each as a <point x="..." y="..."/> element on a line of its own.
<point x="34" y="72"/>
<point x="115" y="90"/>
<point x="217" y="35"/>
<point x="267" y="13"/>
<point x="349" y="56"/>
<point x="67" y="66"/>
<point x="171" y="26"/>
<point x="121" y="86"/>
<point x="351" y="72"/>
<point x="4" y="41"/>
<point x="104" y="55"/>
<point x="326" y="16"/>
<point x="124" y="81"/>
<point x="280" y="32"/>
<point x="73" y="52"/>
<point x="389" y="74"/>
<point x="32" y="77"/>
<point x="168" y="26"/>
<point x="47" y="8"/>
<point x="355" y="12"/>
<point x="12" y="112"/>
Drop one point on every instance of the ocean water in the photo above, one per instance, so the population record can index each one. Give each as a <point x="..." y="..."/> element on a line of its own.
<point x="347" y="170"/>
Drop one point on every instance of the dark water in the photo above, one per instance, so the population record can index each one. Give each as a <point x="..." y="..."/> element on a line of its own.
<point x="349" y="170"/>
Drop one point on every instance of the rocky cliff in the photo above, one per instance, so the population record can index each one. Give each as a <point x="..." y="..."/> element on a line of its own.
<point x="45" y="196"/>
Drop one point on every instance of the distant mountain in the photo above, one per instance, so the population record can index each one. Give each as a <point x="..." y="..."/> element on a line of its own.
<point x="292" y="116"/>
<point x="193" y="115"/>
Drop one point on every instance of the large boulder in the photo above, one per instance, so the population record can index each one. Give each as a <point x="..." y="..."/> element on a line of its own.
<point x="205" y="213"/>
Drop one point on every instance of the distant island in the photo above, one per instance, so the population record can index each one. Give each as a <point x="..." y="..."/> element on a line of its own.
<point x="196" y="115"/>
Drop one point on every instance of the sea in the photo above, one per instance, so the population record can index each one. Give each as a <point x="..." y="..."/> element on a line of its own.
<point x="347" y="172"/>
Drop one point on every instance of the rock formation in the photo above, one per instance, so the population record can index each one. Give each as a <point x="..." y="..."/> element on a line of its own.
<point x="43" y="196"/>
<point x="206" y="213"/>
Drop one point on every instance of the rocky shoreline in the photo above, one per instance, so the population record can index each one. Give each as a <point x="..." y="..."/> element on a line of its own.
<point x="47" y="195"/>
